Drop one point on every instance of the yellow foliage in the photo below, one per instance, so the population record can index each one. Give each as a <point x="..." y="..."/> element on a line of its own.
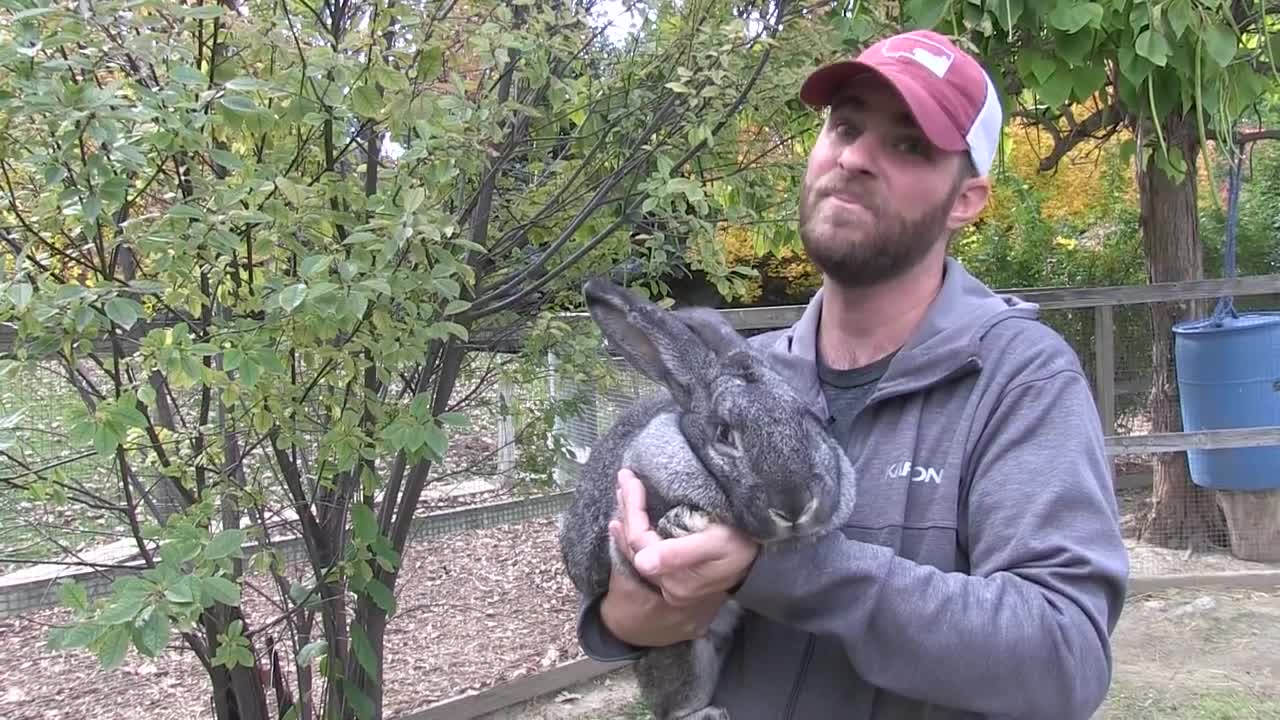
<point x="1071" y="189"/>
<point x="786" y="266"/>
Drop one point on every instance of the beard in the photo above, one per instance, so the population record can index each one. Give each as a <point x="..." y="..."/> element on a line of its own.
<point x="859" y="252"/>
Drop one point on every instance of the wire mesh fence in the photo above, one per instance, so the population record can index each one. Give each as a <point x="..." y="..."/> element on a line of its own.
<point x="1173" y="523"/>
<point x="532" y="425"/>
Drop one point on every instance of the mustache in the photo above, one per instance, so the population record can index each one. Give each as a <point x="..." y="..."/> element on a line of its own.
<point x="861" y="192"/>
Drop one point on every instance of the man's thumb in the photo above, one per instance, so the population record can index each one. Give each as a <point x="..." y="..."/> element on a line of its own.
<point x="646" y="561"/>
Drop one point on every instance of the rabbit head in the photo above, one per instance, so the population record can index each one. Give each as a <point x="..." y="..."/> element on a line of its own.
<point x="780" y="472"/>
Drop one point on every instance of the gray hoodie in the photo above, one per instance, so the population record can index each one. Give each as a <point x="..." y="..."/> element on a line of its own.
<point x="983" y="570"/>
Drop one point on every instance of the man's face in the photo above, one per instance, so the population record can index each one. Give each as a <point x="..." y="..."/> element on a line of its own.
<point x="877" y="197"/>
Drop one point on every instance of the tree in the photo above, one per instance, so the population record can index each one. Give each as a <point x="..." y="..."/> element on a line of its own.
<point x="1177" y="75"/>
<point x="266" y="240"/>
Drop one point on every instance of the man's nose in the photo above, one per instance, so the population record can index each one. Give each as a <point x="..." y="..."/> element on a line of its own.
<point x="857" y="157"/>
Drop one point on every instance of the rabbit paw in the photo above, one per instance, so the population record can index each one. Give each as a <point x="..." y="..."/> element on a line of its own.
<point x="682" y="520"/>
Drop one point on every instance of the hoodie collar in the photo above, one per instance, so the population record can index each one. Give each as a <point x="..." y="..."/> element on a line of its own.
<point x="943" y="345"/>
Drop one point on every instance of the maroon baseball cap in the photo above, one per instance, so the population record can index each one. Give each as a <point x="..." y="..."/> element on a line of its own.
<point x="949" y="93"/>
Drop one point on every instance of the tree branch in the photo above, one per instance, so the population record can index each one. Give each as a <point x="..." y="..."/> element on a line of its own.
<point x="1099" y="125"/>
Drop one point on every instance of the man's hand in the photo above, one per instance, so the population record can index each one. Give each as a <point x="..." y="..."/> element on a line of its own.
<point x="694" y="573"/>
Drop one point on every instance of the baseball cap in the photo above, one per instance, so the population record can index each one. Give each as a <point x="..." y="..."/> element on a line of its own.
<point x="949" y="94"/>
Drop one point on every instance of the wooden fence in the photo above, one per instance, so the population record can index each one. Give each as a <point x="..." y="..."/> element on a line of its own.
<point x="1103" y="301"/>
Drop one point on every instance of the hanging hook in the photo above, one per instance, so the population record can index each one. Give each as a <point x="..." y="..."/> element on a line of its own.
<point x="1226" y="305"/>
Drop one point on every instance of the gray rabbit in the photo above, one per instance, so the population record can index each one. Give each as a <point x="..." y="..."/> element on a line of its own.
<point x="730" y="441"/>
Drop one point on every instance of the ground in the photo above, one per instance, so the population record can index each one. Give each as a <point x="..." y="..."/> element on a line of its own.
<point x="487" y="606"/>
<point x="1180" y="655"/>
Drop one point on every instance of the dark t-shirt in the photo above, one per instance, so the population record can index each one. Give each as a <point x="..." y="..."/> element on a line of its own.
<point x="847" y="391"/>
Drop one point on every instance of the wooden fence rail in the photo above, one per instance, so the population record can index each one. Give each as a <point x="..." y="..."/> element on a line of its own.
<point x="1103" y="300"/>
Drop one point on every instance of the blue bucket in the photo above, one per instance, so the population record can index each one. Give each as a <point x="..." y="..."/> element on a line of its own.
<point x="1228" y="372"/>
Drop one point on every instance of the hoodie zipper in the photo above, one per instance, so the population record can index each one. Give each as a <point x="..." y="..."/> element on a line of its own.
<point x="804" y="669"/>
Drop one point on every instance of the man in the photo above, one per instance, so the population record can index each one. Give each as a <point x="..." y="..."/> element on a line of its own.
<point x="983" y="570"/>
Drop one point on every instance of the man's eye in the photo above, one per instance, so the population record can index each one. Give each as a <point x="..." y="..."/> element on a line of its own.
<point x="913" y="146"/>
<point x="845" y="129"/>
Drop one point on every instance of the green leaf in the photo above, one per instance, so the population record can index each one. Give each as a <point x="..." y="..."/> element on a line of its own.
<point x="105" y="439"/>
<point x="182" y="591"/>
<point x="221" y="590"/>
<point x="456" y="306"/>
<point x="154" y="634"/>
<point x="378" y="284"/>
<point x="430" y="62"/>
<point x="1181" y="15"/>
<point x="208" y="11"/>
<point x="1057" y="89"/>
<point x="437" y="440"/>
<point x="245" y="82"/>
<point x="455" y="419"/>
<point x="20" y="294"/>
<point x="314" y="264"/>
<point x="366" y="101"/>
<point x="292" y="296"/>
<point x="113" y="645"/>
<point x="358" y="700"/>
<point x="73" y="595"/>
<point x="364" y="523"/>
<point x="1133" y="67"/>
<point x="188" y="75"/>
<point x="228" y="160"/>
<point x="72" y="637"/>
<point x="122" y="610"/>
<point x="925" y="14"/>
<point x="123" y="311"/>
<point x="239" y="103"/>
<point x="1152" y="46"/>
<point x="413" y="199"/>
<point x="365" y="655"/>
<point x="311" y="651"/>
<point x="1007" y="12"/>
<point x="1072" y="16"/>
<point x="186" y="211"/>
<point x="1221" y="43"/>
<point x="381" y="596"/>
<point x="225" y="544"/>
<point x="1076" y="48"/>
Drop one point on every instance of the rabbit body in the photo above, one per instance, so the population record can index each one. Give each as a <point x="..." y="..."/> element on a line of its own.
<point x="730" y="442"/>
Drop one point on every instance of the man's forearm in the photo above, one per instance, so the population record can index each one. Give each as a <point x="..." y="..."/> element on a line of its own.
<point x="1000" y="645"/>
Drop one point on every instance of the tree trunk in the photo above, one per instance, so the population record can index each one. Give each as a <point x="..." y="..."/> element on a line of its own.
<point x="238" y="693"/>
<point x="1182" y="514"/>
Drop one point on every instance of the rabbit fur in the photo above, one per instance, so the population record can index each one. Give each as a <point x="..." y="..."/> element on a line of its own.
<point x="730" y="441"/>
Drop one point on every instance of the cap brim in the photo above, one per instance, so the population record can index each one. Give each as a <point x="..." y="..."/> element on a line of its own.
<point x="823" y="86"/>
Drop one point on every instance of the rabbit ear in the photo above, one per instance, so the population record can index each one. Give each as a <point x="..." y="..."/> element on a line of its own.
<point x="713" y="329"/>
<point x="653" y="340"/>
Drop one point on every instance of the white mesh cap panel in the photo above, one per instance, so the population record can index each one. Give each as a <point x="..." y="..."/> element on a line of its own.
<point x="984" y="135"/>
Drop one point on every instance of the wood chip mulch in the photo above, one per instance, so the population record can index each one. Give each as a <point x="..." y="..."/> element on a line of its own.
<point x="476" y="608"/>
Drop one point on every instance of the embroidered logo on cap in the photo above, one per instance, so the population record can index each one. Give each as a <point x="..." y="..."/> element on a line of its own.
<point x="934" y="57"/>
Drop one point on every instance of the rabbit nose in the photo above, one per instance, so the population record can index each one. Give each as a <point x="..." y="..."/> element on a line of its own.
<point x="792" y="508"/>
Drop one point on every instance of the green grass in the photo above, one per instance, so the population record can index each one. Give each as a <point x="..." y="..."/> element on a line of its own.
<point x="635" y="711"/>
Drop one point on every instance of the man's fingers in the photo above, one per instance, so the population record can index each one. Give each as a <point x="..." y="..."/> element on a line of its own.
<point x="682" y="553"/>
<point x="620" y="540"/>
<point x="633" y="513"/>
<point x="631" y="491"/>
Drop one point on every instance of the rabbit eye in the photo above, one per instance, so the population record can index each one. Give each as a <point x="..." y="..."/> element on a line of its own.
<point x="726" y="437"/>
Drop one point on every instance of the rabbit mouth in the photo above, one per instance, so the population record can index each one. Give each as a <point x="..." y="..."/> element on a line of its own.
<point x="784" y="525"/>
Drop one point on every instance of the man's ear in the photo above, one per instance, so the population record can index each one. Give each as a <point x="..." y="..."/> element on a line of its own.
<point x="971" y="198"/>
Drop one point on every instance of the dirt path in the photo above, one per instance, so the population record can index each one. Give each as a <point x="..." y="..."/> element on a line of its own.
<point x="1180" y="655"/>
<point x="1197" y="655"/>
